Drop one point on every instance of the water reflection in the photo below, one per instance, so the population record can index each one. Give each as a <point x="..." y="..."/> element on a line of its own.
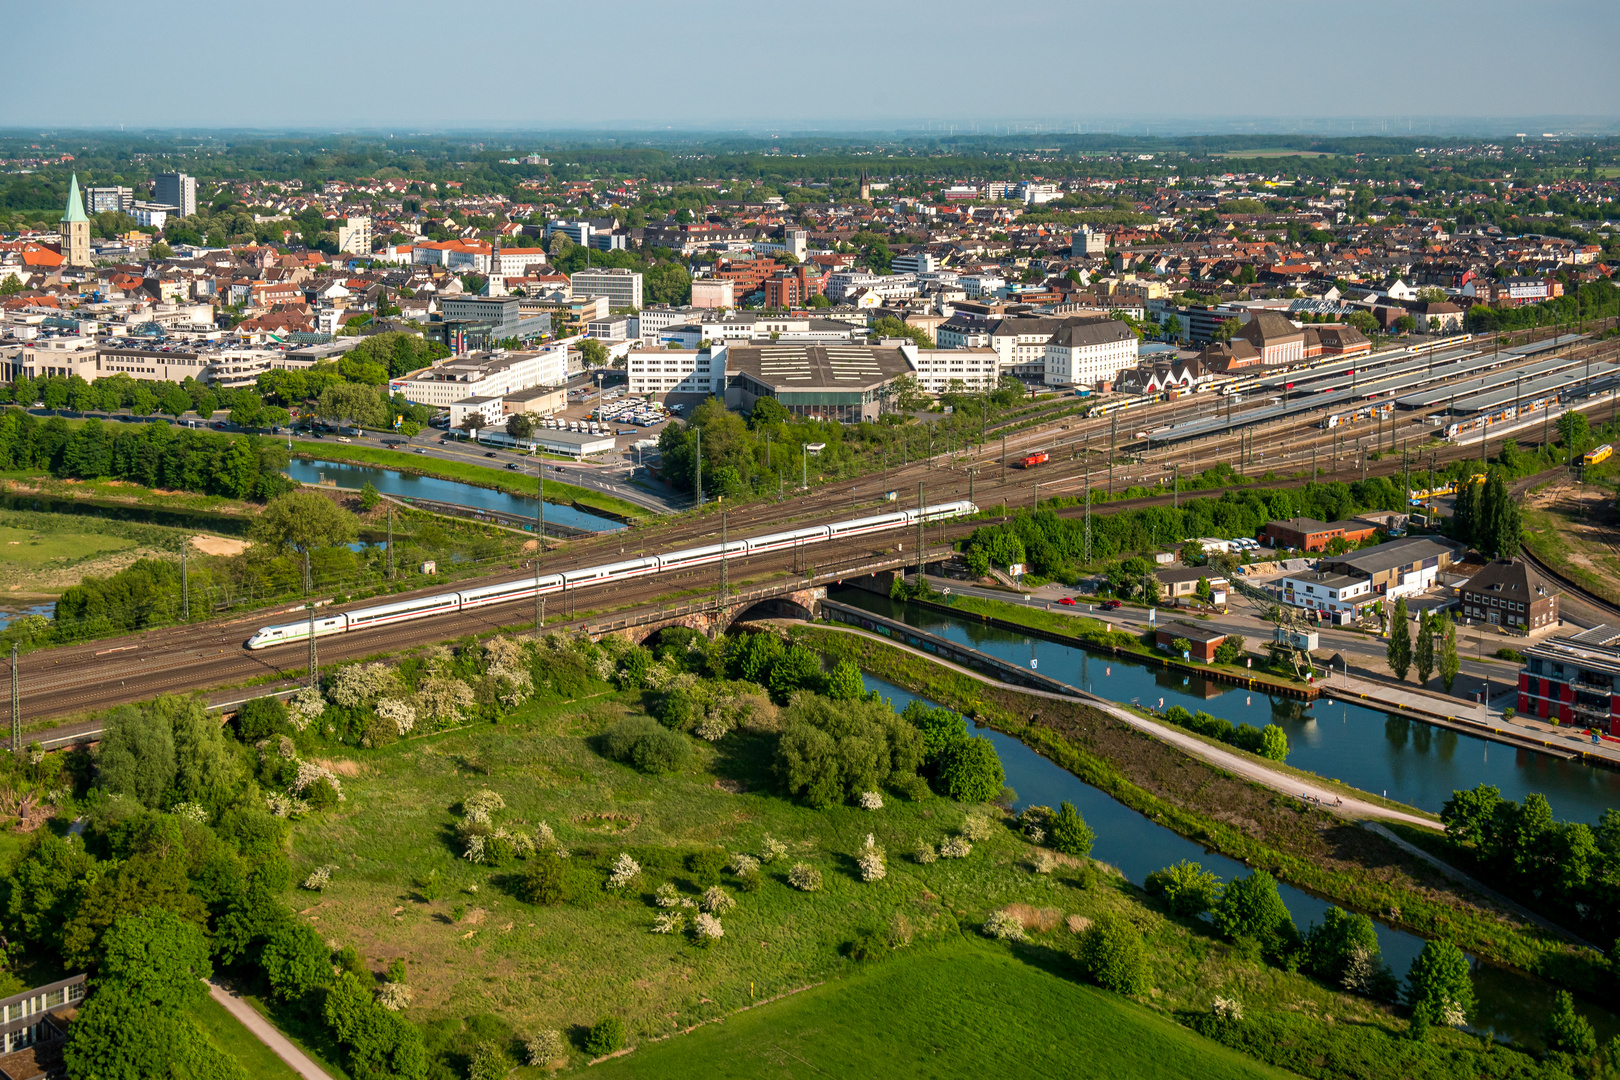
<point x="1418" y="764"/>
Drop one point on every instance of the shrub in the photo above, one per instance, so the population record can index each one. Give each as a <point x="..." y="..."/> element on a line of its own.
<point x="1044" y="862"/>
<point x="1343" y="949"/>
<point x="971" y="772"/>
<point x="868" y="945"/>
<point x="829" y="752"/>
<point x="544" y="880"/>
<point x="1250" y="909"/>
<point x="956" y="848"/>
<point x="743" y="865"/>
<point x="977" y="827"/>
<point x="871" y="800"/>
<point x="1273" y="743"/>
<point x="706" y="929"/>
<point x="623" y="872"/>
<point x="1070" y="833"/>
<point x="295" y="960"/>
<point x="318" y="878"/>
<point x="544" y="1047"/>
<point x="1567" y="1031"/>
<point x="1186" y="888"/>
<point x="1248" y="737"/>
<point x="925" y="853"/>
<point x="941" y="729"/>
<point x="771" y="849"/>
<point x="647" y="745"/>
<point x="705" y="866"/>
<point x="259" y="719"/>
<point x="913" y="788"/>
<point x="396" y="997"/>
<point x="1004" y="926"/>
<point x="716" y="901"/>
<point x="1438" y="987"/>
<point x="870" y="861"/>
<point x="666" y="896"/>
<point x="482" y="804"/>
<point x="605" y="1036"/>
<point x="804" y="878"/>
<point x="1112" y="955"/>
<point x="669" y="922"/>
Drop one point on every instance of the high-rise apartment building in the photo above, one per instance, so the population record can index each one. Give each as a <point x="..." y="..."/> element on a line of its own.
<point x="355" y="237"/>
<point x="177" y="189"/>
<point x="102" y="200"/>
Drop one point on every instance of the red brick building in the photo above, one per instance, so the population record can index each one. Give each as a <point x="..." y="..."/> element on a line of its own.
<point x="1308" y="534"/>
<point x="1575" y="680"/>
<point x="1203" y="640"/>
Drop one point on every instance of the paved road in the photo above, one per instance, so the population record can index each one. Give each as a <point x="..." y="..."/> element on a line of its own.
<point x="1236" y="764"/>
<point x="266" y="1033"/>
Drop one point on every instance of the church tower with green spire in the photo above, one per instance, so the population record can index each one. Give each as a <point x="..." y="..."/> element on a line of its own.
<point x="75" y="228"/>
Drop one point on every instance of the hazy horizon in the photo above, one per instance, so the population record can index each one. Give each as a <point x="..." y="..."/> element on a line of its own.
<point x="849" y="69"/>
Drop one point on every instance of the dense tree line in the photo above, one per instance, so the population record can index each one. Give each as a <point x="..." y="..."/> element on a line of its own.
<point x="154" y="455"/>
<point x="1053" y="546"/>
<point x="1568" y="867"/>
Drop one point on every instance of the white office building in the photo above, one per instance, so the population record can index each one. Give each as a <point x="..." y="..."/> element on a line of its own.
<point x="354" y="237"/>
<point x="480" y="375"/>
<point x="938" y="369"/>
<point x="621" y="287"/>
<point x="1086" y="353"/>
<point x="917" y="262"/>
<point x="662" y="372"/>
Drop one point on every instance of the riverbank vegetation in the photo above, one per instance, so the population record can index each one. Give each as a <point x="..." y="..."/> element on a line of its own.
<point x="1301" y="844"/>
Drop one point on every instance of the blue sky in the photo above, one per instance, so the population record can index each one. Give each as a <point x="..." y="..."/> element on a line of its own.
<point x="834" y="65"/>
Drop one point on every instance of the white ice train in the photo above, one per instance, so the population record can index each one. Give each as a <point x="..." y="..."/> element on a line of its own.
<point x="526" y="588"/>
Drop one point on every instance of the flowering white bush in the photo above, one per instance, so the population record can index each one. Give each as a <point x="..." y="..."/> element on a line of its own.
<point x="305" y="707"/>
<point x="925" y="852"/>
<point x="707" y="928"/>
<point x="310" y="773"/>
<point x="956" y="848"/>
<point x="804" y="878"/>
<point x="625" y="870"/>
<point x="716" y="901"/>
<point x="1003" y="927"/>
<point x="483" y="802"/>
<point x="474" y="852"/>
<point x="871" y="800"/>
<point x="319" y="878"/>
<point x="441" y="698"/>
<point x="507" y="662"/>
<point x="714" y="726"/>
<point x="1227" y="1009"/>
<point x="394" y="997"/>
<point x="743" y="865"/>
<point x="354" y="685"/>
<point x="976" y="827"/>
<point x="190" y="811"/>
<point x="543" y="836"/>
<point x="285" y="806"/>
<point x="666" y="896"/>
<point x="1045" y="862"/>
<point x="870" y="859"/>
<point x="771" y="849"/>
<point x="1452" y="1015"/>
<point x="668" y="922"/>
<point x="544" y="1047"/>
<point x="401" y="713"/>
<point x="438" y="660"/>
<point x="1359" y="969"/>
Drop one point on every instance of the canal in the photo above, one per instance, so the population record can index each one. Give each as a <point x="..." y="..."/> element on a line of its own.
<point x="410" y="486"/>
<point x="1412" y="762"/>
<point x="1510" y="1003"/>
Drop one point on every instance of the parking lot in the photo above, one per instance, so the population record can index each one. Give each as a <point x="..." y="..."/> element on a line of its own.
<point x="628" y="419"/>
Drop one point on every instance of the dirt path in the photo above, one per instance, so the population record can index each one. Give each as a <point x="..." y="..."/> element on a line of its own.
<point x="1236" y="764"/>
<point x="266" y="1033"/>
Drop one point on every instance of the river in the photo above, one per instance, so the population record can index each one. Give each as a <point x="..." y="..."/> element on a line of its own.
<point x="1412" y="762"/>
<point x="1511" y="1004"/>
<point x="409" y="485"/>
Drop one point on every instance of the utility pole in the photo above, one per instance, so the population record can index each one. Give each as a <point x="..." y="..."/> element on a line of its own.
<point x="314" y="663"/>
<point x="540" y="546"/>
<point x="1175" y="486"/>
<point x="16" y="705"/>
<point x="1313" y="464"/>
<point x="1088" y="517"/>
<point x="1484" y="428"/>
<point x="1004" y="459"/>
<point x="1113" y="436"/>
<point x="1035" y="503"/>
<point x="804" y="465"/>
<point x="391" y="541"/>
<point x="698" y="488"/>
<point x="973" y="471"/>
<point x="724" y="561"/>
<point x="919" y="532"/>
<point x="185" y="583"/>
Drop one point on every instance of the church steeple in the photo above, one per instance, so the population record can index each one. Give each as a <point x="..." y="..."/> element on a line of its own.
<point x="75" y="228"/>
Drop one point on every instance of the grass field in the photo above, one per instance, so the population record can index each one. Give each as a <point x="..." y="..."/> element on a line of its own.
<point x="237" y="1042"/>
<point x="499" y="479"/>
<point x="30" y="549"/>
<point x="961" y="1009"/>
<point x="475" y="950"/>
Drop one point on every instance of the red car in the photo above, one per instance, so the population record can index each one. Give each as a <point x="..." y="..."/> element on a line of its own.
<point x="1111" y="605"/>
<point x="1068" y="601"/>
